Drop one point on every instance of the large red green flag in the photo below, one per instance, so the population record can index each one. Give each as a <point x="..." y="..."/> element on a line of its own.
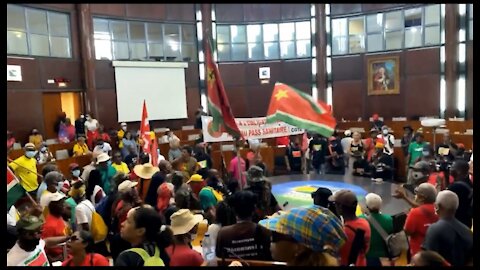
<point x="15" y="191"/>
<point x="296" y="108"/>
<point x="218" y="104"/>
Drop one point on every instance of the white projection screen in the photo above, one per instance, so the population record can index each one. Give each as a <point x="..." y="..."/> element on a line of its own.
<point x="160" y="84"/>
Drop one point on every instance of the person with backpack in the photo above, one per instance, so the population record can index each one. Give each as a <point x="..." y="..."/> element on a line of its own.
<point x="146" y="231"/>
<point x="357" y="230"/>
<point x="389" y="142"/>
<point x="377" y="249"/>
<point x="80" y="246"/>
<point x="463" y="187"/>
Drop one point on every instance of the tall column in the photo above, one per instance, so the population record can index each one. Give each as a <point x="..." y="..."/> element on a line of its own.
<point x="85" y="30"/>
<point x="451" y="58"/>
<point x="321" y="49"/>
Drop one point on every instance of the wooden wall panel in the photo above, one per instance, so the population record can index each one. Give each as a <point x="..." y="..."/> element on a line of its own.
<point x="422" y="61"/>
<point x="298" y="71"/>
<point x="24" y="111"/>
<point x="229" y="13"/>
<point x="146" y="11"/>
<point x="107" y="108"/>
<point x="347" y="68"/>
<point x="347" y="98"/>
<point x="116" y="10"/>
<point x="295" y="11"/>
<point x="181" y="12"/>
<point x="233" y="74"/>
<point x="422" y="95"/>
<point x="60" y="68"/>
<point x="104" y="74"/>
<point x="261" y="12"/>
<point x="30" y="74"/>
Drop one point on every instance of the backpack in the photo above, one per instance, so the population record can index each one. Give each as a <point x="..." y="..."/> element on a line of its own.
<point x="101" y="206"/>
<point x="358" y="244"/>
<point x="98" y="228"/>
<point x="395" y="242"/>
<point x="148" y="260"/>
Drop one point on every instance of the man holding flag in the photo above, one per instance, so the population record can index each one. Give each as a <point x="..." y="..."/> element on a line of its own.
<point x="150" y="145"/>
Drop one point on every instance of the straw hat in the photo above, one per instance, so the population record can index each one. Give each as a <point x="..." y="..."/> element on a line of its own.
<point x="145" y="171"/>
<point x="183" y="221"/>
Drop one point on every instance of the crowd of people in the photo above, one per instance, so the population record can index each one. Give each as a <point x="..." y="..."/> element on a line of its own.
<point x="121" y="210"/>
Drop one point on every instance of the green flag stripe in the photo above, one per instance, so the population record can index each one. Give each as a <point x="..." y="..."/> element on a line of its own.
<point x="14" y="194"/>
<point x="322" y="129"/>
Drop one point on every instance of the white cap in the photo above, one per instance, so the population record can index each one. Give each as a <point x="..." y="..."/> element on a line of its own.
<point x="348" y="132"/>
<point x="373" y="201"/>
<point x="49" y="197"/>
<point x="126" y="185"/>
<point x="102" y="158"/>
<point x="123" y="124"/>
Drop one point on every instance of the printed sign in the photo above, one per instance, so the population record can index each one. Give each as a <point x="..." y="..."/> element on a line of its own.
<point x="14" y="73"/>
<point x="251" y="128"/>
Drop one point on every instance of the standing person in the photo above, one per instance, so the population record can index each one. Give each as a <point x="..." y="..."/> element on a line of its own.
<point x="55" y="225"/>
<point x="389" y="141"/>
<point x="94" y="191"/>
<point x="245" y="239"/>
<point x="447" y="149"/>
<point x="184" y="226"/>
<point x="84" y="209"/>
<point x="198" y="118"/>
<point x="334" y="158"/>
<point x="448" y="236"/>
<point x="30" y="248"/>
<point x="81" y="245"/>
<point x="266" y="203"/>
<point x="407" y="139"/>
<point x="294" y="156"/>
<point x="224" y="216"/>
<point x="44" y="155"/>
<point x="144" y="173"/>
<point x="421" y="216"/>
<point x="80" y="126"/>
<point x="318" y="150"/>
<point x="463" y="187"/>
<point x="235" y="173"/>
<point x="103" y="135"/>
<point x="118" y="164"/>
<point x="352" y="252"/>
<point x="203" y="159"/>
<point x="415" y="150"/>
<point x="160" y="191"/>
<point x="25" y="168"/>
<point x="67" y="131"/>
<point x="377" y="123"/>
<point x="321" y="198"/>
<point x="346" y="141"/>
<point x="102" y="146"/>
<point x="36" y="138"/>
<point x="121" y="134"/>
<point x="91" y="126"/>
<point x="60" y="120"/>
<point x="370" y="144"/>
<point x="175" y="152"/>
<point x="104" y="165"/>
<point x="377" y="248"/>
<point x="356" y="150"/>
<point x="128" y="142"/>
<point x="147" y="233"/>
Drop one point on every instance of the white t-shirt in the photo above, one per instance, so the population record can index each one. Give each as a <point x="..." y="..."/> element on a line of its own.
<point x="389" y="143"/>
<point x="212" y="231"/>
<point x="46" y="198"/>
<point x="105" y="148"/>
<point x="84" y="212"/>
<point x="91" y="125"/>
<point x="19" y="257"/>
<point x="346" y="142"/>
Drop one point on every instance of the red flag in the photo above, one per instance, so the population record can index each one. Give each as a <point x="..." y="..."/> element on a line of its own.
<point x="218" y="104"/>
<point x="298" y="109"/>
<point x="145" y="129"/>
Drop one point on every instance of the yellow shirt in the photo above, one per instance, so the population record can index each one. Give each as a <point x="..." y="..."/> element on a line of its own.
<point x="28" y="178"/>
<point x="121" y="168"/>
<point x="120" y="135"/>
<point x="36" y="139"/>
<point x="79" y="150"/>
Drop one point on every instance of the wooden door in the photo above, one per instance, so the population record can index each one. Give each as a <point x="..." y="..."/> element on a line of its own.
<point x="52" y="108"/>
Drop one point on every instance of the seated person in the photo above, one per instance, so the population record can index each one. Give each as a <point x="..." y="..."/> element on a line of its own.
<point x="381" y="165"/>
<point x="335" y="163"/>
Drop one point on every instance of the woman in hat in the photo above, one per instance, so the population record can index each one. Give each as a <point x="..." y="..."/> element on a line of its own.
<point x="80" y="246"/>
<point x="144" y="173"/>
<point x="184" y="225"/>
<point x="144" y="229"/>
<point x="266" y="202"/>
<point x="309" y="236"/>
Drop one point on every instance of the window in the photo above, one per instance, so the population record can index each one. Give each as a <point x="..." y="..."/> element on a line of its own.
<point x="256" y="42"/>
<point x="392" y="30"/>
<point x="37" y="32"/>
<point x="470" y="21"/>
<point x="133" y="40"/>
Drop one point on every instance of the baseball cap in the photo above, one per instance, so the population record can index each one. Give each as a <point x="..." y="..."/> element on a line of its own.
<point x="29" y="223"/>
<point x="347" y="132"/>
<point x="344" y="197"/>
<point x="123" y="124"/>
<point x="373" y="201"/>
<point x="313" y="226"/>
<point x="373" y="130"/>
<point x="195" y="178"/>
<point x="126" y="185"/>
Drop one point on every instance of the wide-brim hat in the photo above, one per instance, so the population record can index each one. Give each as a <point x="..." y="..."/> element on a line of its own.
<point x="29" y="223"/>
<point x="315" y="227"/>
<point x="126" y="185"/>
<point x="103" y="157"/>
<point x="255" y="174"/>
<point x="183" y="221"/>
<point x="145" y="171"/>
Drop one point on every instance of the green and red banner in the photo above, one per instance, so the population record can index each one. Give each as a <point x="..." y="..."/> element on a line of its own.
<point x="15" y="191"/>
<point x="296" y="108"/>
<point x="218" y="104"/>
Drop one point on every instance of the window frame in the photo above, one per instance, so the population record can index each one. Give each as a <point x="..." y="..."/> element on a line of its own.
<point x="49" y="35"/>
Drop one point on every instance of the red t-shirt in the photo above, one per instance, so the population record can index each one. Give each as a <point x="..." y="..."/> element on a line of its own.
<point x="285" y="140"/>
<point x="358" y="223"/>
<point x="53" y="227"/>
<point x="182" y="255"/>
<point x="417" y="223"/>
<point x="92" y="259"/>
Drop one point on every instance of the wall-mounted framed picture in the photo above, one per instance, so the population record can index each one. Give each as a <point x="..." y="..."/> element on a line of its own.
<point x="14" y="73"/>
<point x="383" y="75"/>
